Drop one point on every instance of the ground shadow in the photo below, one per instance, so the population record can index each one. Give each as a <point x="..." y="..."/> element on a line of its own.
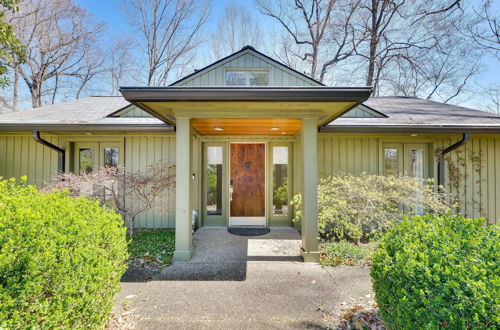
<point x="222" y="256"/>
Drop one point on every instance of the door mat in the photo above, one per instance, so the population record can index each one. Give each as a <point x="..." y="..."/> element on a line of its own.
<point x="248" y="231"/>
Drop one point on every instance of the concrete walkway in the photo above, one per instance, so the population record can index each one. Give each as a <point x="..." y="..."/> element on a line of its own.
<point x="235" y="282"/>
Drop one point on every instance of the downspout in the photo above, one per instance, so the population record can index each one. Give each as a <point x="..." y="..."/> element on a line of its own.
<point x="465" y="138"/>
<point x="61" y="158"/>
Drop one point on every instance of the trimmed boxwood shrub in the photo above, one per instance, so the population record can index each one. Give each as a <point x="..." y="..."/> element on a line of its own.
<point x="61" y="259"/>
<point x="438" y="272"/>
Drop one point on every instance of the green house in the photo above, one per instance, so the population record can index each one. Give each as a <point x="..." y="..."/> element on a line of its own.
<point x="246" y="133"/>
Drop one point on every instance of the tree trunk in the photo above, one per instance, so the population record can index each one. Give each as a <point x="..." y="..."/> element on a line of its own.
<point x="373" y="43"/>
<point x="15" y="92"/>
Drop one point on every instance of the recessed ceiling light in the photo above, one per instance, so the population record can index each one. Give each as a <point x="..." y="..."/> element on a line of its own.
<point x="218" y="129"/>
<point x="274" y="129"/>
<point x="283" y="132"/>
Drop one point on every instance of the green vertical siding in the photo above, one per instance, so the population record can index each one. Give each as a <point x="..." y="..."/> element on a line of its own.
<point x="278" y="76"/>
<point x="478" y="165"/>
<point x="22" y="155"/>
<point x="144" y="151"/>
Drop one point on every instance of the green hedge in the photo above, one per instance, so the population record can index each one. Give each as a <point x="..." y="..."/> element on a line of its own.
<point x="438" y="272"/>
<point x="61" y="259"/>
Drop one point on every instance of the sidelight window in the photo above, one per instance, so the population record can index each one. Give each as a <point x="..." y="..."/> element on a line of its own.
<point x="214" y="180"/>
<point x="280" y="191"/>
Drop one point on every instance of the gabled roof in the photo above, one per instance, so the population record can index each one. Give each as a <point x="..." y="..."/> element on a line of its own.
<point x="363" y="111"/>
<point x="410" y="114"/>
<point x="246" y="50"/>
<point x="87" y="114"/>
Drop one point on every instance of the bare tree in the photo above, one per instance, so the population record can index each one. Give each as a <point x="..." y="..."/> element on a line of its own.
<point x="169" y="31"/>
<point x="491" y="97"/>
<point x="122" y="63"/>
<point x="321" y="31"/>
<point x="57" y="34"/>
<point x="414" y="47"/>
<point x="236" y="27"/>
<point x="485" y="28"/>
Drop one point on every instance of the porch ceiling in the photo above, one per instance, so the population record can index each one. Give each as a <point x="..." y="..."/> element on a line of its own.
<point x="247" y="126"/>
<point x="322" y="103"/>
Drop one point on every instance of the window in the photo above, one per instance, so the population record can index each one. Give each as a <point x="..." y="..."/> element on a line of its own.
<point x="111" y="156"/>
<point x="89" y="156"/>
<point x="391" y="161"/>
<point x="405" y="159"/>
<point x="416" y="162"/>
<point x="247" y="78"/>
<point x="280" y="180"/>
<point x="214" y="180"/>
<point x="86" y="160"/>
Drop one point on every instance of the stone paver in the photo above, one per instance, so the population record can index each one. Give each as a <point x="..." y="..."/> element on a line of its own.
<point x="235" y="282"/>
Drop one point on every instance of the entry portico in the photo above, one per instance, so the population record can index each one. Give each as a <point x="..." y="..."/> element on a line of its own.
<point x="246" y="138"/>
<point x="252" y="112"/>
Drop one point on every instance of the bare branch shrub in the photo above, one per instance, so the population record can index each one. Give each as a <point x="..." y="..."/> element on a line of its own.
<point x="130" y="193"/>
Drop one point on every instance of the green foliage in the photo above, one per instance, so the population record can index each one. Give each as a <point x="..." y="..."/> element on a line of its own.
<point x="10" y="46"/>
<point x="345" y="253"/>
<point x="61" y="259"/>
<point x="280" y="194"/>
<point x="438" y="272"/>
<point x="152" y="248"/>
<point x="365" y="206"/>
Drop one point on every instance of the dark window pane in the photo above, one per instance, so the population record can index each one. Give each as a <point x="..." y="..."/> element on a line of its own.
<point x="280" y="181"/>
<point x="214" y="180"/>
<point x="111" y="157"/>
<point x="391" y="163"/>
<point x="86" y="156"/>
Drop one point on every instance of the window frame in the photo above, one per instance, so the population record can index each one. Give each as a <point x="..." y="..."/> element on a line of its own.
<point x="212" y="220"/>
<point x="403" y="159"/>
<point x="98" y="153"/>
<point x="258" y="70"/>
<point x="425" y="148"/>
<point x="280" y="220"/>
<point x="85" y="145"/>
<point x="118" y="145"/>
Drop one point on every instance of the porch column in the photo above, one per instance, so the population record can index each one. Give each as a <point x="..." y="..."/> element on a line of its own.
<point x="183" y="190"/>
<point x="309" y="251"/>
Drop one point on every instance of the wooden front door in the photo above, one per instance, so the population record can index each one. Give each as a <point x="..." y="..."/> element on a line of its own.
<point x="247" y="184"/>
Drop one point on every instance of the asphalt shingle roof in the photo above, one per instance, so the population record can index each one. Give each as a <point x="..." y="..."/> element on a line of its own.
<point x="417" y="113"/>
<point x="90" y="111"/>
<point x="403" y="113"/>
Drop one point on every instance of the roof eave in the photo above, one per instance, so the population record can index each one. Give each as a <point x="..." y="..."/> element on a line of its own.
<point x="409" y="129"/>
<point x="303" y="94"/>
<point x="18" y="127"/>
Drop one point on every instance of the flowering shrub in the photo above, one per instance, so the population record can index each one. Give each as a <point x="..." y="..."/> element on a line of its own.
<point x="364" y="206"/>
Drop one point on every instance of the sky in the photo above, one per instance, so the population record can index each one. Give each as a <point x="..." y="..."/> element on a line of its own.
<point x="109" y="11"/>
